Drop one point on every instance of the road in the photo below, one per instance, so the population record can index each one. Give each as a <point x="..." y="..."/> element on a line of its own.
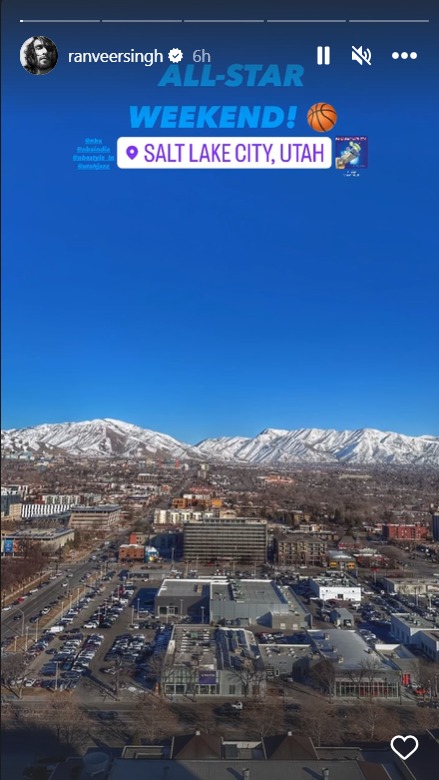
<point x="35" y="603"/>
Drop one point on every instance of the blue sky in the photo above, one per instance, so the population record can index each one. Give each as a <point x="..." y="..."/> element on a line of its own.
<point x="208" y="303"/>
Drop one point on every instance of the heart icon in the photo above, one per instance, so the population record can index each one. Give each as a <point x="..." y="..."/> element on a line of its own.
<point x="410" y="748"/>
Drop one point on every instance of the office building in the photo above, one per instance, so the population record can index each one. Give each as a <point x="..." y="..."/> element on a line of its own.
<point x="215" y="539"/>
<point x="96" y="518"/>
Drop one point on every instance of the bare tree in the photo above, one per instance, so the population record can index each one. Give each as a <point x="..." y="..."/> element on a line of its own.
<point x="323" y="674"/>
<point x="265" y="718"/>
<point x="318" y="720"/>
<point x="427" y="671"/>
<point x="13" y="673"/>
<point x="423" y="720"/>
<point x="162" y="673"/>
<point x="69" y="723"/>
<point x="372" y="722"/>
<point x="252" y="680"/>
<point x="371" y="669"/>
<point x="154" y="719"/>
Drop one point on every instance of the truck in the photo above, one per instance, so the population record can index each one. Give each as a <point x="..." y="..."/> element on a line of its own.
<point x="56" y="629"/>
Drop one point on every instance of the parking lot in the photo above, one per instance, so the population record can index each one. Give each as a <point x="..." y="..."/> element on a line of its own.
<point x="103" y="641"/>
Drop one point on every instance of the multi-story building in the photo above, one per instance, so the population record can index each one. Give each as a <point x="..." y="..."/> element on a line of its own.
<point x="15" y="490"/>
<point x="179" y="516"/>
<point x="43" y="510"/>
<point x="58" y="498"/>
<point x="11" y="507"/>
<point x="291" y="549"/>
<point x="97" y="518"/>
<point x="131" y="552"/>
<point x="214" y="539"/>
<point x="405" y="531"/>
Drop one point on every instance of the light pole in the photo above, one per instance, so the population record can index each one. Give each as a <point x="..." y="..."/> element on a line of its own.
<point x="202" y="615"/>
<point x="181" y="607"/>
<point x="132" y="615"/>
<point x="36" y="629"/>
<point x="56" y="675"/>
<point x="22" y="620"/>
<point x="27" y="632"/>
<point x="138" y="604"/>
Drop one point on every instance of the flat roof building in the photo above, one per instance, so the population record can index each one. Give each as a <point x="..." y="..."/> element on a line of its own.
<point x="95" y="517"/>
<point x="342" y="617"/>
<point x="14" y="543"/>
<point x="201" y="660"/>
<point x="291" y="549"/>
<point x="131" y="552"/>
<point x="246" y="602"/>
<point x="358" y="670"/>
<point x="411" y="586"/>
<point x="214" y="539"/>
<point x="183" y="597"/>
<point x="11" y="506"/>
<point x="335" y="588"/>
<point x="411" y="629"/>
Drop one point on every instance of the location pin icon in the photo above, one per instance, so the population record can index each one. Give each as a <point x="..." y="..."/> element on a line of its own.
<point x="132" y="152"/>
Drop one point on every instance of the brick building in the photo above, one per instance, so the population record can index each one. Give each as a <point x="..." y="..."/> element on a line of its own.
<point x="290" y="550"/>
<point x="405" y="532"/>
<point x="131" y="552"/>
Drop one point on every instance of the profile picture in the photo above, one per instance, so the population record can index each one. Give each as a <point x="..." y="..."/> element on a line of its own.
<point x="38" y="55"/>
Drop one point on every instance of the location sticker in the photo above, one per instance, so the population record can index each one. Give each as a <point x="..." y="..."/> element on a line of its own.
<point x="132" y="152"/>
<point x="405" y="746"/>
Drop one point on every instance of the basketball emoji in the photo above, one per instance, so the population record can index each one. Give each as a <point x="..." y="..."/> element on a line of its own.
<point x="322" y="117"/>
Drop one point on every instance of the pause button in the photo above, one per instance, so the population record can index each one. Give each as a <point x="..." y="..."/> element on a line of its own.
<point x="323" y="55"/>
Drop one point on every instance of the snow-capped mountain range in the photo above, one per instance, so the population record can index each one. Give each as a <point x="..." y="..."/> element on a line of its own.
<point x="271" y="447"/>
<point x="99" y="438"/>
